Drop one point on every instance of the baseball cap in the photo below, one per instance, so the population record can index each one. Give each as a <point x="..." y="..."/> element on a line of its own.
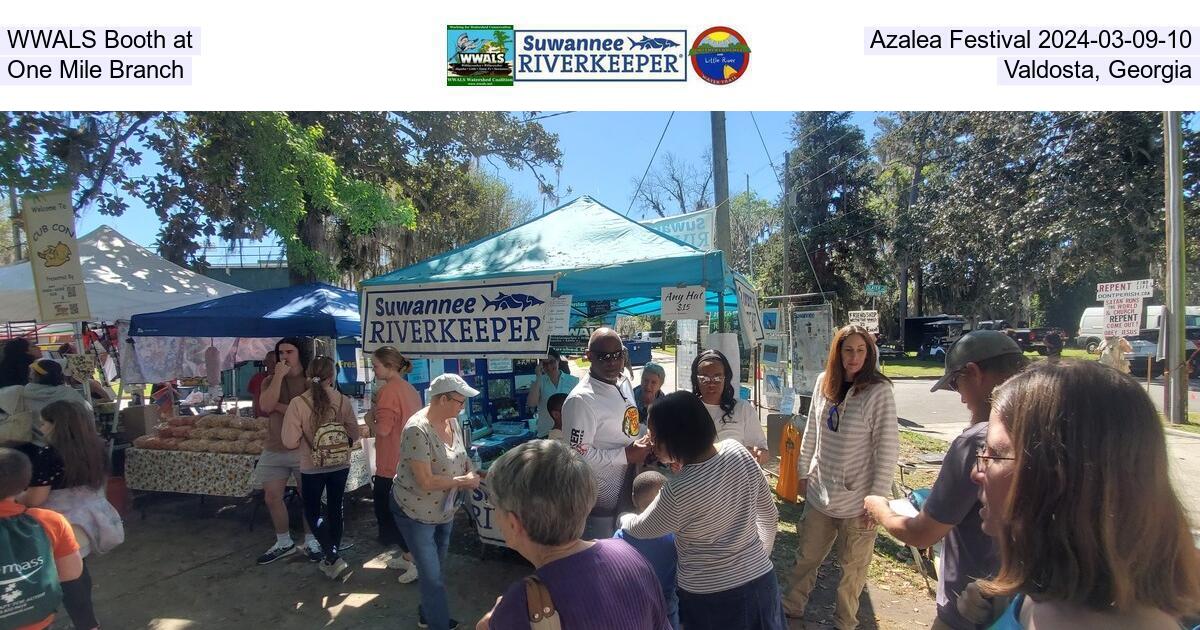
<point x="447" y="383"/>
<point x="974" y="347"/>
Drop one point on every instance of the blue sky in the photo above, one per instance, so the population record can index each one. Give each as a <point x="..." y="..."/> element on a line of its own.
<point x="604" y="153"/>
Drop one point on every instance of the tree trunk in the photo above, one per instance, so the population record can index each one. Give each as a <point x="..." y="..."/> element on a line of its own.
<point x="920" y="290"/>
<point x="312" y="234"/>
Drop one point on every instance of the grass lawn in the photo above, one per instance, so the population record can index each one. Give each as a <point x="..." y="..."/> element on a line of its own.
<point x="667" y="350"/>
<point x="911" y="367"/>
<point x="1191" y="426"/>
<point x="893" y="566"/>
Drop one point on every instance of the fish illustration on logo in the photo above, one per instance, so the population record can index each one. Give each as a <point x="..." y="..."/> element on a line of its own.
<point x="508" y="301"/>
<point x="655" y="43"/>
<point x="56" y="255"/>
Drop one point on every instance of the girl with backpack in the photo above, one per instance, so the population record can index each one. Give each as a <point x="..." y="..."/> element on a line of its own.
<point x="320" y="423"/>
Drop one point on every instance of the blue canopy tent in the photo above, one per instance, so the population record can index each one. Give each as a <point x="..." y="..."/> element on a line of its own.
<point x="596" y="252"/>
<point x="311" y="310"/>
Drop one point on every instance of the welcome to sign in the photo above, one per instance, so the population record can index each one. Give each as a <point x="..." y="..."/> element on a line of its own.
<point x="506" y="318"/>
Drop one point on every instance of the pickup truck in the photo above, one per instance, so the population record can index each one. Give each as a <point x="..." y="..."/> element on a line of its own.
<point x="1145" y="352"/>
<point x="1030" y="339"/>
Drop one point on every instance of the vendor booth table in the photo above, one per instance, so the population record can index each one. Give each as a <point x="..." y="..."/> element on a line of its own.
<point x="210" y="474"/>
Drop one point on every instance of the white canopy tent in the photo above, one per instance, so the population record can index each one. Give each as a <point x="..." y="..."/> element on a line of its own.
<point x="122" y="278"/>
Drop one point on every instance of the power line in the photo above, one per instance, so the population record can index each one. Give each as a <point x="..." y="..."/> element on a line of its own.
<point x="650" y="163"/>
<point x="545" y="116"/>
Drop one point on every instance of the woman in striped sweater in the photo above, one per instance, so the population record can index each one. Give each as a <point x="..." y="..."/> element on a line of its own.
<point x="851" y="442"/>
<point x="721" y="511"/>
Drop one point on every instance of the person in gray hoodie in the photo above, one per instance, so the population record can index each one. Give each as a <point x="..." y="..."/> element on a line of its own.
<point x="46" y="385"/>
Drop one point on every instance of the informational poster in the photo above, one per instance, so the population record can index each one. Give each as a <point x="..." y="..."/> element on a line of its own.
<point x="693" y="228"/>
<point x="773" y="352"/>
<point x="688" y="331"/>
<point x="558" y="319"/>
<point x="812" y="334"/>
<point x="420" y="372"/>
<point x="748" y="314"/>
<point x="771" y="323"/>
<point x="682" y="303"/>
<point x="866" y="319"/>
<point x="462" y="319"/>
<point x="500" y="366"/>
<point x="1122" y="317"/>
<point x="54" y="257"/>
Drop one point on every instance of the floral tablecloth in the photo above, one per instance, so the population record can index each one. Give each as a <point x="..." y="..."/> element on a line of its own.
<point x="215" y="474"/>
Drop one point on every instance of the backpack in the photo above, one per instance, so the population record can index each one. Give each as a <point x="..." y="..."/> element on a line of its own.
<point x="330" y="444"/>
<point x="29" y="587"/>
<point x="17" y="426"/>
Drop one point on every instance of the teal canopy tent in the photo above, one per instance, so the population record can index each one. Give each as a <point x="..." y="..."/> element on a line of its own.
<point x="596" y="253"/>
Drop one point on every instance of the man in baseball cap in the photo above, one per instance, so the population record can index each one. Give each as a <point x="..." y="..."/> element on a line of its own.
<point x="976" y="364"/>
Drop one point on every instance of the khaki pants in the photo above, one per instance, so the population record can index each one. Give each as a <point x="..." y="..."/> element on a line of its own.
<point x="818" y="533"/>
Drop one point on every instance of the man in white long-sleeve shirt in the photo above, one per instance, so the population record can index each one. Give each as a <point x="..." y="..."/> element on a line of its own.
<point x="600" y="421"/>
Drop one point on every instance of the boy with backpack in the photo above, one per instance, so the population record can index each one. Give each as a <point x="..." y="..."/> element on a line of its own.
<point x="320" y="424"/>
<point x="38" y="551"/>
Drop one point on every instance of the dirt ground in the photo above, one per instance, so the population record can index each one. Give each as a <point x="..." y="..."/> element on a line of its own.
<point x="190" y="565"/>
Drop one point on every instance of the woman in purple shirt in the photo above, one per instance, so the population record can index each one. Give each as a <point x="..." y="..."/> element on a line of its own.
<point x="543" y="492"/>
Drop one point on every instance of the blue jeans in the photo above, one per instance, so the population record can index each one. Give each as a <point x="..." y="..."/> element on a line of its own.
<point x="428" y="545"/>
<point x="754" y="605"/>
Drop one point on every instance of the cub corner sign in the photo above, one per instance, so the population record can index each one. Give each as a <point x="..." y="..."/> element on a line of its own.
<point x="498" y="318"/>
<point x="866" y="319"/>
<point x="54" y="257"/>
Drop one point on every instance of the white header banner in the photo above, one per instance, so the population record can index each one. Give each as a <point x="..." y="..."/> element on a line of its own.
<point x="506" y="318"/>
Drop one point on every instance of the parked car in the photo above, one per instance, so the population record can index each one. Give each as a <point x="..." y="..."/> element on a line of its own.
<point x="1145" y="352"/>
<point x="937" y="337"/>
<point x="1034" y="339"/>
<point x="1091" y="324"/>
<point x="655" y="337"/>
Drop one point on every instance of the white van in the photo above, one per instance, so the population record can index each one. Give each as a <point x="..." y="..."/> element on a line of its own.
<point x="1091" y="324"/>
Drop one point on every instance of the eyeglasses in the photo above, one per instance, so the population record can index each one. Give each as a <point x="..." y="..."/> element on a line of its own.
<point x="610" y="356"/>
<point x="461" y="401"/>
<point x="834" y="419"/>
<point x="710" y="380"/>
<point x="983" y="460"/>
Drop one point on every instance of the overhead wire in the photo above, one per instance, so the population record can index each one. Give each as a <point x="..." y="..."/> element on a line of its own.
<point x="649" y="164"/>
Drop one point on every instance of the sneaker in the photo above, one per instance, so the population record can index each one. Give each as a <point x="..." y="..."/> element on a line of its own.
<point x="421" y="623"/>
<point x="409" y="576"/>
<point x="399" y="562"/>
<point x="336" y="570"/>
<point x="313" y="552"/>
<point x="276" y="552"/>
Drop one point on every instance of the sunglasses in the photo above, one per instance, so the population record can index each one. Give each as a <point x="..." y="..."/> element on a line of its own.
<point x="952" y="384"/>
<point x="710" y="380"/>
<point x="610" y="356"/>
<point x="834" y="419"/>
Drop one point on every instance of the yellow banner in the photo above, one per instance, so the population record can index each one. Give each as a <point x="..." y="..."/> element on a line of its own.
<point x="54" y="257"/>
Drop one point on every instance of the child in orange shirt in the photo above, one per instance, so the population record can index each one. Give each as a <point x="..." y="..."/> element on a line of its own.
<point x="37" y="546"/>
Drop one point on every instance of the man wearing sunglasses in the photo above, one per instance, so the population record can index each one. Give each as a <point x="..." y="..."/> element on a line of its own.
<point x="600" y="421"/>
<point x="976" y="364"/>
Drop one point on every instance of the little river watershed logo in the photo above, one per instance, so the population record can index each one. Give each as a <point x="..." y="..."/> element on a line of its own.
<point x="479" y="55"/>
<point x="720" y="55"/>
<point x="601" y="55"/>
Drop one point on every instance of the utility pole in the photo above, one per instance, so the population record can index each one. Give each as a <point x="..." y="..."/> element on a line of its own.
<point x="721" y="180"/>
<point x="1174" y="315"/>
<point x="783" y="232"/>
<point x="721" y="197"/>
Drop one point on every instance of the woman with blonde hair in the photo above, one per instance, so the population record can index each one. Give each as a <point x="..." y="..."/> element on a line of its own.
<point x="850" y="446"/>
<point x="1076" y="492"/>
<point x="398" y="401"/>
<point x="320" y="424"/>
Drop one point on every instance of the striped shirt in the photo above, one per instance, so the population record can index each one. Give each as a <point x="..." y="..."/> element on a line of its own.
<point x="859" y="458"/>
<point x="723" y="517"/>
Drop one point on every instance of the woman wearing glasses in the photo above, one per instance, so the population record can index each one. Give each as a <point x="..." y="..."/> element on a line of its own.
<point x="1076" y="492"/>
<point x="713" y="382"/>
<point x="549" y="380"/>
<point x="431" y="483"/>
<point x="851" y="442"/>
